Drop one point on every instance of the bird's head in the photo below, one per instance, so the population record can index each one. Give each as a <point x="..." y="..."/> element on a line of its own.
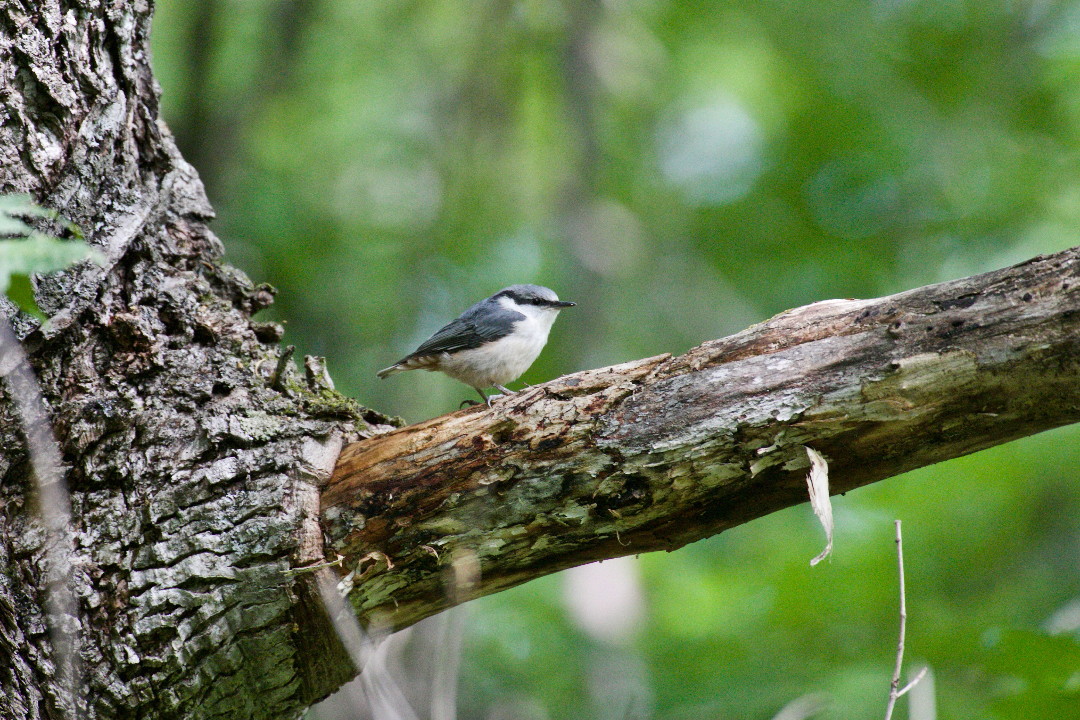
<point x="529" y="299"/>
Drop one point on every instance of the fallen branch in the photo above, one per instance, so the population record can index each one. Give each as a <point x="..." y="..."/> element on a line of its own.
<point x="657" y="453"/>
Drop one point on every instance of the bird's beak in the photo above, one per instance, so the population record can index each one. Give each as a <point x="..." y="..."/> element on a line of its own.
<point x="562" y="304"/>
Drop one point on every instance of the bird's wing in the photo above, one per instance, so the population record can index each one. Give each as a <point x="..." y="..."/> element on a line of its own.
<point x="471" y="330"/>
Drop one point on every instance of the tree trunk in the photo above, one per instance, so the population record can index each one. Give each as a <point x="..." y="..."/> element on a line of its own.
<point x="195" y="457"/>
<point x="191" y="474"/>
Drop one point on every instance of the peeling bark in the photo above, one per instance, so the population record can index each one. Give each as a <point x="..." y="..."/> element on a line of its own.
<point x="661" y="452"/>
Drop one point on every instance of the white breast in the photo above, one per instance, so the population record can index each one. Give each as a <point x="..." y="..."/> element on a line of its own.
<point x="506" y="359"/>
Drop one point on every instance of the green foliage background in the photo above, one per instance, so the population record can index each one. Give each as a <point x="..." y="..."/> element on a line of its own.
<point x="681" y="170"/>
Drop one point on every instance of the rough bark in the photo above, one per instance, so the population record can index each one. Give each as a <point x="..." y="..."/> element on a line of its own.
<point x="191" y="476"/>
<point x="660" y="452"/>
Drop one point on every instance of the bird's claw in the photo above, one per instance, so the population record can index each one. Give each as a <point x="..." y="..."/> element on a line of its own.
<point x="489" y="398"/>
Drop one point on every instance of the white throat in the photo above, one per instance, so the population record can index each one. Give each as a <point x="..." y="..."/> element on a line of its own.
<point x="538" y="320"/>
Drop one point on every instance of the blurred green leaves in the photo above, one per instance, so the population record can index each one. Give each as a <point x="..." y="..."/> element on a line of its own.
<point x="24" y="250"/>
<point x="1037" y="675"/>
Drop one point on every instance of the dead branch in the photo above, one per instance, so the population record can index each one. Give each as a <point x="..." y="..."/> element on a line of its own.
<point x="660" y="452"/>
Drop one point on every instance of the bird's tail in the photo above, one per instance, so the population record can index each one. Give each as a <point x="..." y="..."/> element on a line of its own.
<point x="412" y="362"/>
<point x="392" y="370"/>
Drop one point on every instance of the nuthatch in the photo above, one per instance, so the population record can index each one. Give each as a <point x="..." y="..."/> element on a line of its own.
<point x="493" y="342"/>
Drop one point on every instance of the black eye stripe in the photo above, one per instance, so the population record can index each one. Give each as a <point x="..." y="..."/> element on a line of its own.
<point x="523" y="300"/>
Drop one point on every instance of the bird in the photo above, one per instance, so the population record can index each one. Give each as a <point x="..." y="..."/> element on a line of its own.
<point x="492" y="343"/>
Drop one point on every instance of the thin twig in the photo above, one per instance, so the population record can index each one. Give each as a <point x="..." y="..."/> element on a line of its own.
<point x="313" y="568"/>
<point x="895" y="693"/>
<point x="918" y="676"/>
<point x="54" y="505"/>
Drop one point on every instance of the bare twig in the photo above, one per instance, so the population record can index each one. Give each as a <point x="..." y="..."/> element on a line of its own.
<point x="54" y="505"/>
<point x="313" y="568"/>
<point x="918" y="676"/>
<point x="895" y="692"/>
<point x="921" y="704"/>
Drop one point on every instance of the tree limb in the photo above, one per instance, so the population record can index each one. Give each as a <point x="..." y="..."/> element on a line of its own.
<point x="660" y="452"/>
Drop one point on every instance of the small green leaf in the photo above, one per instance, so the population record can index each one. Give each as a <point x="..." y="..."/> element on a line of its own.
<point x="23" y="204"/>
<point x="13" y="226"/>
<point x="26" y="251"/>
<point x="21" y="292"/>
<point x="40" y="253"/>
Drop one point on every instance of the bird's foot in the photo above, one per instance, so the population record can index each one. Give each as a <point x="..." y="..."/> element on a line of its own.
<point x="489" y="398"/>
<point x="470" y="403"/>
<point x="505" y="392"/>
